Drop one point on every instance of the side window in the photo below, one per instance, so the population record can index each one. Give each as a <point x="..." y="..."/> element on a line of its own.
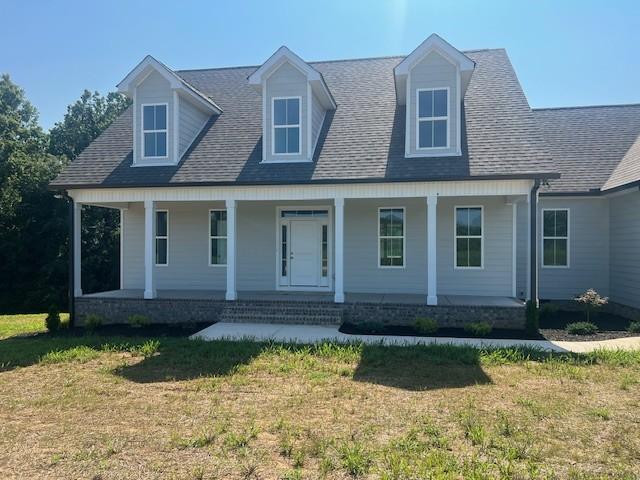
<point x="432" y="118"/>
<point x="162" y="237"/>
<point x="154" y="131"/>
<point x="555" y="238"/>
<point x="217" y="237"/>
<point x="468" y="238"/>
<point x="391" y="236"/>
<point x="286" y="126"/>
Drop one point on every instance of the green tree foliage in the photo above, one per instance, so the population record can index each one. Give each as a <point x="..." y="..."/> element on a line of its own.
<point x="33" y="223"/>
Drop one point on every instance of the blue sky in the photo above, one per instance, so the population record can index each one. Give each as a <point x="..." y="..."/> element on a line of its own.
<point x="565" y="52"/>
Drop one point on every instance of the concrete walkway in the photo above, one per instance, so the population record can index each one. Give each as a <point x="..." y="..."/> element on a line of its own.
<point x="325" y="333"/>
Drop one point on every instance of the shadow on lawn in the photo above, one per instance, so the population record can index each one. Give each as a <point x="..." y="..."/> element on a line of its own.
<point x="421" y="368"/>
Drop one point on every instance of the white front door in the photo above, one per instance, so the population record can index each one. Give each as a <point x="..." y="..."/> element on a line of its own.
<point x="305" y="253"/>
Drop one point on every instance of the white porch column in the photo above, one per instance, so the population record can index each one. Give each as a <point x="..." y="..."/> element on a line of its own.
<point x="339" y="249"/>
<point x="432" y="276"/>
<point x="231" y="294"/>
<point x="149" y="249"/>
<point x="77" y="249"/>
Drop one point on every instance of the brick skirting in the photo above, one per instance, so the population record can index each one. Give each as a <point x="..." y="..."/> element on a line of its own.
<point x="118" y="310"/>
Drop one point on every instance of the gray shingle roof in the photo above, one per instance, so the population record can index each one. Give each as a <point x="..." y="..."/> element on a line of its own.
<point x="362" y="140"/>
<point x="592" y="146"/>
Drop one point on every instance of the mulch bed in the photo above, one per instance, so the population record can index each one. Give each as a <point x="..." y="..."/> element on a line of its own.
<point x="552" y="327"/>
<point x="154" y="330"/>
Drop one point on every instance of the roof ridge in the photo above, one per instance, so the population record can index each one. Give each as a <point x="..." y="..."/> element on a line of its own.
<point x="357" y="59"/>
<point x="576" y="107"/>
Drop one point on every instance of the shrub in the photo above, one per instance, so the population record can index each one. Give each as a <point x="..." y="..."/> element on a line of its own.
<point x="532" y="320"/>
<point x="52" y="322"/>
<point x="372" y="326"/>
<point x="590" y="301"/>
<point x="478" y="329"/>
<point x="425" y="326"/>
<point x="582" y="328"/>
<point x="548" y="310"/>
<point x="138" y="320"/>
<point x="92" y="321"/>
<point x="634" y="327"/>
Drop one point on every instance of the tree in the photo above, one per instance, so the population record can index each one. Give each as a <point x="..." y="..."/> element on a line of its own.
<point x="84" y="121"/>
<point x="30" y="218"/>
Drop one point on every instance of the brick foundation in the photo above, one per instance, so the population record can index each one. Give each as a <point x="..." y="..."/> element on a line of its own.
<point x="118" y="310"/>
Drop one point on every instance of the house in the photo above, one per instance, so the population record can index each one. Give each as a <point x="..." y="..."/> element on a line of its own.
<point x="376" y="188"/>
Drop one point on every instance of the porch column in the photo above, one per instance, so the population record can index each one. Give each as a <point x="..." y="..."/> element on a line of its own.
<point x="149" y="249"/>
<point x="432" y="276"/>
<point x="77" y="249"/>
<point x="339" y="250"/>
<point x="231" y="294"/>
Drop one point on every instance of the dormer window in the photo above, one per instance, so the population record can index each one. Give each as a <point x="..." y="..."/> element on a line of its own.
<point x="154" y="130"/>
<point x="433" y="118"/>
<point x="286" y="126"/>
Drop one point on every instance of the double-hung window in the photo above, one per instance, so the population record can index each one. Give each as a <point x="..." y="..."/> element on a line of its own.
<point x="162" y="237"/>
<point x="555" y="238"/>
<point x="433" y="118"/>
<point x="468" y="247"/>
<point x="391" y="228"/>
<point x="217" y="237"/>
<point x="286" y="126"/>
<point x="154" y="130"/>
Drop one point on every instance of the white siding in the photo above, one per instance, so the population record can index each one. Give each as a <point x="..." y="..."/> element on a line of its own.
<point x="286" y="81"/>
<point x="191" y="122"/>
<point x="625" y="249"/>
<point x="588" y="249"/>
<point x="434" y="71"/>
<point x="317" y="117"/>
<point x="496" y="276"/>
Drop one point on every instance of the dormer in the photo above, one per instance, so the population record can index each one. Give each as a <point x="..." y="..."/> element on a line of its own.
<point x="431" y="82"/>
<point x="168" y="113"/>
<point x="295" y="99"/>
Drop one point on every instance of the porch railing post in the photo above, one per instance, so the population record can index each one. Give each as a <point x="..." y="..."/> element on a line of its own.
<point x="231" y="293"/>
<point x="77" y="249"/>
<point x="339" y="250"/>
<point x="149" y="249"/>
<point x="432" y="276"/>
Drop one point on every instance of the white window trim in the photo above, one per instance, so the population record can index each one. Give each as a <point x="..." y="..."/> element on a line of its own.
<point x="456" y="236"/>
<point x="404" y="238"/>
<point x="273" y="127"/>
<point x="543" y="238"/>
<point x="143" y="131"/>
<point x="157" y="237"/>
<point x="214" y="237"/>
<point x="419" y="118"/>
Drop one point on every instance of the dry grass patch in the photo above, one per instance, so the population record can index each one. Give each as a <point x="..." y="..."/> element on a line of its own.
<point x="81" y="407"/>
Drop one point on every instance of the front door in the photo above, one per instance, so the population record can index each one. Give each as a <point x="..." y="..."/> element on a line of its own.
<point x="305" y="253"/>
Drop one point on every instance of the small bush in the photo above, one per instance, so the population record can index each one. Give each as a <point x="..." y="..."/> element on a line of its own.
<point x="52" y="322"/>
<point x="137" y="321"/>
<point x="92" y="321"/>
<point x="591" y="301"/>
<point x="532" y="321"/>
<point x="634" y="327"/>
<point x="425" y="326"/>
<point x="582" y="328"/>
<point x="548" y="309"/>
<point x="372" y="326"/>
<point x="478" y="329"/>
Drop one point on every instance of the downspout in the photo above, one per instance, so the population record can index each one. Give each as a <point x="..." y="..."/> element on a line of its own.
<point x="533" y="270"/>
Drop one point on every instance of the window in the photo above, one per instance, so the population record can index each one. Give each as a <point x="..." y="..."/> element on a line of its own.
<point x="154" y="131"/>
<point x="217" y="237"/>
<point x="286" y="126"/>
<point x="325" y="251"/>
<point x="162" y="237"/>
<point x="283" y="253"/>
<point x="555" y="238"/>
<point x="391" y="237"/>
<point x="433" y="118"/>
<point x="468" y="248"/>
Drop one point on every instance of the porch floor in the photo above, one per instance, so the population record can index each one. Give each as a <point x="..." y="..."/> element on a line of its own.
<point x="456" y="300"/>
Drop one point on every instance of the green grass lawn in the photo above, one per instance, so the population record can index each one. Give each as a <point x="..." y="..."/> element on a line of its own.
<point x="96" y="406"/>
